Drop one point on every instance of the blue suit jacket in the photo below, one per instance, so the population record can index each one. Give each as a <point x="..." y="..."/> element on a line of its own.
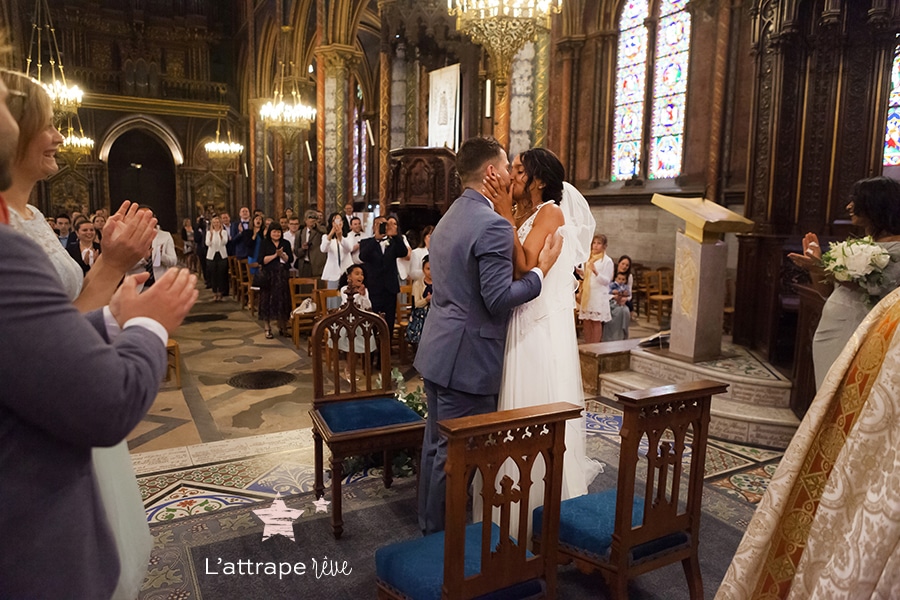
<point x="65" y="388"/>
<point x="471" y="256"/>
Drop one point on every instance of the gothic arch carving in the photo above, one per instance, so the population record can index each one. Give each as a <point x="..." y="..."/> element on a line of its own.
<point x="146" y="123"/>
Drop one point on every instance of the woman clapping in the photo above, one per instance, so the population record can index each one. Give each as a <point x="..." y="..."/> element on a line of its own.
<point x="275" y="295"/>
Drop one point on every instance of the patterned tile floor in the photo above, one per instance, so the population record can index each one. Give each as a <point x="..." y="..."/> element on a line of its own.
<point x="207" y="446"/>
<point x="739" y="471"/>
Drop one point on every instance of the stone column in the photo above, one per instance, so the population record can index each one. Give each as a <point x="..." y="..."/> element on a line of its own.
<point x="567" y="50"/>
<point x="521" y="92"/>
<point x="335" y="62"/>
<point x="541" y="88"/>
<point x="384" y="107"/>
<point x="278" y="185"/>
<point x="717" y="105"/>
<point x="398" y="98"/>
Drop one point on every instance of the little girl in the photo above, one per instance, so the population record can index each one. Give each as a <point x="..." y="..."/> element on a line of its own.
<point x="422" y="290"/>
<point x="594" y="308"/>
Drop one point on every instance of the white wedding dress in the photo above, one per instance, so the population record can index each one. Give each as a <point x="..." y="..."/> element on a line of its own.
<point x="541" y="363"/>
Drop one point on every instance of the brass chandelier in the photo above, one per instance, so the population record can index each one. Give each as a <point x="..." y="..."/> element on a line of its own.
<point x="502" y="27"/>
<point x="287" y="118"/>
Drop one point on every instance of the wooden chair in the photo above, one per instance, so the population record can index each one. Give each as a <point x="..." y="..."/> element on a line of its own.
<point x="645" y="286"/>
<point x="248" y="290"/>
<point x="447" y="564"/>
<point x="661" y="301"/>
<point x="322" y="297"/>
<point x="173" y="361"/>
<point x="624" y="532"/>
<point x="359" y="414"/>
<point x="301" y="289"/>
<point x="234" y="278"/>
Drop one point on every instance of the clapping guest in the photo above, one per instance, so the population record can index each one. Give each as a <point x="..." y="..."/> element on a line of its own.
<point x="217" y="257"/>
<point x="98" y="221"/>
<point x="87" y="250"/>
<point x="337" y="250"/>
<point x="275" y="294"/>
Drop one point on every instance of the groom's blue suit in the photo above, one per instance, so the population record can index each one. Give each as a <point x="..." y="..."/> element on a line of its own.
<point x="460" y="354"/>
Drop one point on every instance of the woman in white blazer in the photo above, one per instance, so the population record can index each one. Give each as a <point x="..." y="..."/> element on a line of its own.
<point x="337" y="250"/>
<point x="217" y="256"/>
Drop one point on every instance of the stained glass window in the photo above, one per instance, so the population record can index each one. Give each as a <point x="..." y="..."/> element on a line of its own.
<point x="631" y="75"/>
<point x="360" y="149"/>
<point x="892" y="133"/>
<point x="669" y="89"/>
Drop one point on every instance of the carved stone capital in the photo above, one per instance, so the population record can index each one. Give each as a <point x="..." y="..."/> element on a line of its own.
<point x="338" y="59"/>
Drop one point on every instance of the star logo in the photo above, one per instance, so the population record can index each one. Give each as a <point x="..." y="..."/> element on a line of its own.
<point x="278" y="519"/>
<point x="321" y="505"/>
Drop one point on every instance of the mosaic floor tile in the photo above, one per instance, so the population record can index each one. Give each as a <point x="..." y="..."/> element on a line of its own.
<point x="748" y="485"/>
<point x="757" y="454"/>
<point x="186" y="501"/>
<point x="285" y="479"/>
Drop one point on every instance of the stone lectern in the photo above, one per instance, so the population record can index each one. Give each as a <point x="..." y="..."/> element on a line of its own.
<point x="700" y="260"/>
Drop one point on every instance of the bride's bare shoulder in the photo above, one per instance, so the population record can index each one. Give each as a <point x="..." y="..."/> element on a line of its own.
<point x="550" y="215"/>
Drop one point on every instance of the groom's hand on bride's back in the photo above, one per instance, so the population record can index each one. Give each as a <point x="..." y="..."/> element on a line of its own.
<point x="550" y="252"/>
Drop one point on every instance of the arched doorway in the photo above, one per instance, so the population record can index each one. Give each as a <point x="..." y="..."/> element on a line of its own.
<point x="141" y="169"/>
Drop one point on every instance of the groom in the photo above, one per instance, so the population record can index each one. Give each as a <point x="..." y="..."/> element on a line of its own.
<point x="460" y="354"/>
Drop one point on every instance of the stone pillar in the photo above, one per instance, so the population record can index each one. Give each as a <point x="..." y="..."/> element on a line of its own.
<point x="278" y="185"/>
<point x="698" y="298"/>
<point x="412" y="103"/>
<point x="521" y="92"/>
<point x="565" y="105"/>
<point x="541" y="88"/>
<point x="398" y="98"/>
<point x="335" y="61"/>
<point x="384" y="108"/>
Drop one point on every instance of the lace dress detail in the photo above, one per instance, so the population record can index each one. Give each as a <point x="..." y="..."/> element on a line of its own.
<point x="37" y="229"/>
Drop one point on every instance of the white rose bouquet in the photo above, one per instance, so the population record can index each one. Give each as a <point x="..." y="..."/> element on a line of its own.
<point x="860" y="261"/>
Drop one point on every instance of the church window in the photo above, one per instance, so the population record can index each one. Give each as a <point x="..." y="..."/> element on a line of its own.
<point x="892" y="133"/>
<point x="662" y="54"/>
<point x="360" y="148"/>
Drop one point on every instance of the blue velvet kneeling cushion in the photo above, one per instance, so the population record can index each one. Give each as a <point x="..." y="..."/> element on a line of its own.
<point x="415" y="568"/>
<point x="587" y="523"/>
<point x="367" y="414"/>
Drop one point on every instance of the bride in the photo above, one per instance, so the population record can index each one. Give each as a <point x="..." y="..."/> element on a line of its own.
<point x="541" y="363"/>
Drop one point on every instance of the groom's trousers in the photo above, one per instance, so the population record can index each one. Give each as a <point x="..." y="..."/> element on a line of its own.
<point x="443" y="403"/>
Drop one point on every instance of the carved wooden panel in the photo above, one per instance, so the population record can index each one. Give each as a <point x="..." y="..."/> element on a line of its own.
<point x="423" y="177"/>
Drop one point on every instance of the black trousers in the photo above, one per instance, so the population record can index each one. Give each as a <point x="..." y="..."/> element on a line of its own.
<point x="218" y="270"/>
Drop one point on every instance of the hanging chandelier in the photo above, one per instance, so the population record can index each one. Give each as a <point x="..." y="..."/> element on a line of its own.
<point x="502" y="27"/>
<point x="286" y="118"/>
<point x="66" y="98"/>
<point x="75" y="145"/>
<point x="220" y="151"/>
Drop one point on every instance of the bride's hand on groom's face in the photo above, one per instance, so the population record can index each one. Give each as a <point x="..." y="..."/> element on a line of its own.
<point x="553" y="244"/>
<point x="494" y="190"/>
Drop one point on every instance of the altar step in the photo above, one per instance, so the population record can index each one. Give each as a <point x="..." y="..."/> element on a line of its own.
<point x="754" y="410"/>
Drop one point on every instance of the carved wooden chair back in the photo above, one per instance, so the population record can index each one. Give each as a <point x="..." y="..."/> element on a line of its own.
<point x="656" y="522"/>
<point x="482" y="443"/>
<point x="354" y="409"/>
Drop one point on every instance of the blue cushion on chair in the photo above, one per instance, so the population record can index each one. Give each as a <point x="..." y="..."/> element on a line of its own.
<point x="416" y="567"/>
<point x="367" y="414"/>
<point x="587" y="522"/>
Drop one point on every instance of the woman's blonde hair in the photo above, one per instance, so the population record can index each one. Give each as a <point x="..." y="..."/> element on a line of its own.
<point x="36" y="112"/>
